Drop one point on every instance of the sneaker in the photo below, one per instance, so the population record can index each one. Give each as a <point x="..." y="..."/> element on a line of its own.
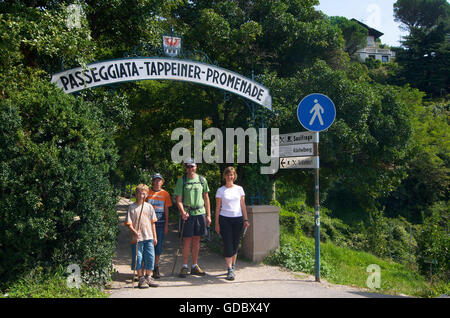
<point x="156" y="273"/>
<point x="197" y="271"/>
<point x="230" y="275"/>
<point x="142" y="282"/>
<point x="151" y="282"/>
<point x="184" y="272"/>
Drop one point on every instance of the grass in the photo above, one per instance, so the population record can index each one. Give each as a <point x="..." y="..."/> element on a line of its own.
<point x="345" y="266"/>
<point x="50" y="285"/>
<point x="351" y="268"/>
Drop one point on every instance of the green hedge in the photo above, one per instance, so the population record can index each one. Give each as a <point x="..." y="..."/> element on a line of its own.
<point x="56" y="201"/>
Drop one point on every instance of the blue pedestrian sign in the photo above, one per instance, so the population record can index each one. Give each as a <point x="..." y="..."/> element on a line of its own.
<point x="316" y="112"/>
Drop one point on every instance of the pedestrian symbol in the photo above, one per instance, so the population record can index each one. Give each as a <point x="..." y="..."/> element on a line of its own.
<point x="317" y="109"/>
<point x="316" y="112"/>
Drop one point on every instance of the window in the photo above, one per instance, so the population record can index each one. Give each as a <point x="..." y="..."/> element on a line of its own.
<point x="385" y="58"/>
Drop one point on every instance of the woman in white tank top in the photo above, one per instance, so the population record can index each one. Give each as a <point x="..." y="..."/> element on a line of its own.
<point x="231" y="217"/>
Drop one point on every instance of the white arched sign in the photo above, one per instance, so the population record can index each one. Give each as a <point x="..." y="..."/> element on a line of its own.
<point x="156" y="68"/>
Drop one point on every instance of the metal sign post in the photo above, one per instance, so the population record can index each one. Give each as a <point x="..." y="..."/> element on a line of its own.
<point x="305" y="146"/>
<point x="316" y="112"/>
<point x="317" y="215"/>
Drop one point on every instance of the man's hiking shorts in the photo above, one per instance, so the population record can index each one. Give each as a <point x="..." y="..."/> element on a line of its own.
<point x="195" y="225"/>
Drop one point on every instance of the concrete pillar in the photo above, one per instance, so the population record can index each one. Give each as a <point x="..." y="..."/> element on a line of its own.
<point x="263" y="235"/>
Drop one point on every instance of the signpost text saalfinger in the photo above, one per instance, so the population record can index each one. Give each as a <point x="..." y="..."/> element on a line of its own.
<point x="300" y="150"/>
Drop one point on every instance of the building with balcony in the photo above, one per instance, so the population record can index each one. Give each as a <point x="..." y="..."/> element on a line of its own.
<point x="373" y="50"/>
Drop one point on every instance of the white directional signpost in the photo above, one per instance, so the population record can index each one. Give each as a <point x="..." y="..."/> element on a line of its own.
<point x="300" y="162"/>
<point x="297" y="138"/>
<point x="316" y="112"/>
<point x="296" y="150"/>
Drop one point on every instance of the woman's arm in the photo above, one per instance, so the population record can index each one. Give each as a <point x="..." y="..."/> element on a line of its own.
<point x="244" y="212"/>
<point x="218" y="205"/>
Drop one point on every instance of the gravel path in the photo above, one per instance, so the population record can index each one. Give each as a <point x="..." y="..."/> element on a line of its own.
<point x="252" y="280"/>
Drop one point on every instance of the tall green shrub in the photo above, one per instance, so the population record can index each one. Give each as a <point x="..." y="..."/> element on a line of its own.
<point x="434" y="242"/>
<point x="56" y="202"/>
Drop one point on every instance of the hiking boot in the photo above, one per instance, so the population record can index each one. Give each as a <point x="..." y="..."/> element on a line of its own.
<point x="142" y="282"/>
<point x="184" y="272"/>
<point x="151" y="282"/>
<point x="156" y="273"/>
<point x="196" y="270"/>
<point x="230" y="275"/>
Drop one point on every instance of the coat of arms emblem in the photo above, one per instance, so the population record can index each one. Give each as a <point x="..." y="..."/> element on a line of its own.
<point x="171" y="45"/>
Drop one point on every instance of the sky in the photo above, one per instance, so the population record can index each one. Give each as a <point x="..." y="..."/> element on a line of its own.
<point x="378" y="14"/>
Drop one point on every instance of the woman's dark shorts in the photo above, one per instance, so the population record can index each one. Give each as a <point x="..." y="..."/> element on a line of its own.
<point x="230" y="230"/>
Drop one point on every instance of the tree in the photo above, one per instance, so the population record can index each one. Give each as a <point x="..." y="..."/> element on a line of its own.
<point x="55" y="160"/>
<point x="246" y="37"/>
<point x="56" y="151"/>
<point x="355" y="34"/>
<point x="425" y="51"/>
<point x="280" y="36"/>
<point x="364" y="152"/>
<point x="427" y="180"/>
<point x="415" y="14"/>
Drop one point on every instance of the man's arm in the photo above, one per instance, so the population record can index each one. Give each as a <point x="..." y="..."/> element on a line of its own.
<point x="184" y="214"/>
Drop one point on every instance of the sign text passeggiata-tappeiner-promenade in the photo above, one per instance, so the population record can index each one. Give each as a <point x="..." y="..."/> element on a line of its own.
<point x="141" y="68"/>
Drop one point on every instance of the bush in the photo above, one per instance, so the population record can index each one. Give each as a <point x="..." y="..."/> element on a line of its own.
<point x="434" y="242"/>
<point x="298" y="218"/>
<point x="381" y="236"/>
<point x="403" y="246"/>
<point x="386" y="237"/>
<point x="39" y="283"/>
<point x="373" y="63"/>
<point x="290" y="221"/>
<point x="57" y="205"/>
<point x="298" y="258"/>
<point x="297" y="253"/>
